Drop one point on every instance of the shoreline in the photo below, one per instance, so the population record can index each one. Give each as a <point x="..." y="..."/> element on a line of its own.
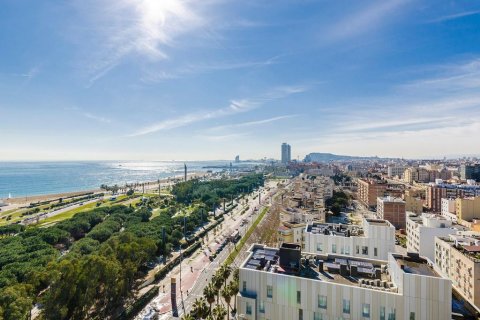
<point x="26" y="200"/>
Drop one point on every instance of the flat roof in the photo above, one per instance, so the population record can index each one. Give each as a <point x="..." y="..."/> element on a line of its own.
<point x="365" y="273"/>
<point x="332" y="229"/>
<point x="378" y="222"/>
<point x="415" y="266"/>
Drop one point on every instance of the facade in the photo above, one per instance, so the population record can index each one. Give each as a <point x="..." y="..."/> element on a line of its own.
<point x="374" y="240"/>
<point x="470" y="171"/>
<point x="393" y="210"/>
<point x="449" y="209"/>
<point x="369" y="190"/>
<point x="422" y="230"/>
<point x="283" y="284"/>
<point x="395" y="171"/>
<point x="467" y="209"/>
<point x="435" y="193"/>
<point x="237" y="159"/>
<point x="458" y="258"/>
<point x="291" y="232"/>
<point x="286" y="153"/>
<point x="413" y="202"/>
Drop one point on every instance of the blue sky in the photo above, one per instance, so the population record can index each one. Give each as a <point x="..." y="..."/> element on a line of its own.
<point x="210" y="79"/>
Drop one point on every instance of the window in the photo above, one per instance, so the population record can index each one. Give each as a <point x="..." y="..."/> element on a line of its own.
<point x="319" y="247"/>
<point x="412" y="315"/>
<point x="244" y="285"/>
<point x="357" y="249"/>
<point x="391" y="314"/>
<point x="347" y="250"/>
<point x="375" y="253"/>
<point x="366" y="310"/>
<point x="300" y="314"/>
<point x="382" y="313"/>
<point x="322" y="302"/>
<point x="299" y="297"/>
<point x="364" y="250"/>
<point x="269" y="291"/>
<point x="341" y="250"/>
<point x="261" y="306"/>
<point x="248" y="308"/>
<point x="346" y="306"/>
<point x="334" y="248"/>
<point x="317" y="316"/>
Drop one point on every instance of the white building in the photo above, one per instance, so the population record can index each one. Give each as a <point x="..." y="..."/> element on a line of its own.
<point x="449" y="208"/>
<point x="422" y="230"/>
<point x="282" y="284"/>
<point x="393" y="171"/>
<point x="374" y="240"/>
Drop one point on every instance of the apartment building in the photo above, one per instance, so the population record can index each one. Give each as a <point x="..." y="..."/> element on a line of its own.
<point x="284" y="284"/>
<point x="458" y="258"/>
<point x="396" y="171"/>
<point x="471" y="171"/>
<point x="422" y="230"/>
<point x="435" y="193"/>
<point x="374" y="239"/>
<point x="369" y="190"/>
<point x="449" y="209"/>
<point x="393" y="210"/>
<point x="291" y="232"/>
<point x="467" y="209"/>
<point x="413" y="200"/>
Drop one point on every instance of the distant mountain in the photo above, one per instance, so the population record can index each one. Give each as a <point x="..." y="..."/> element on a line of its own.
<point x="326" y="157"/>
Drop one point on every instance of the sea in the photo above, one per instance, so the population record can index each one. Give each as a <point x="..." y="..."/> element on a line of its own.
<point x="19" y="179"/>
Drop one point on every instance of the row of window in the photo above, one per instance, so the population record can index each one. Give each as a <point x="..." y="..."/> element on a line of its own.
<point x="346" y="249"/>
<point x="322" y="304"/>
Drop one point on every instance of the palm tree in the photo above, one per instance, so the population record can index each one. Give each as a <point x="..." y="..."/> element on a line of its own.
<point x="227" y="296"/>
<point x="187" y="316"/>
<point x="225" y="273"/>
<point x="234" y="291"/>
<point x="209" y="292"/>
<point x="236" y="274"/>
<point x="219" y="312"/>
<point x="217" y="283"/>
<point x="200" y="308"/>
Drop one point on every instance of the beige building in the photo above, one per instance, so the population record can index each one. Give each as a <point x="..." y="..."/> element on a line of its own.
<point x="393" y="210"/>
<point x="291" y="232"/>
<point x="286" y="284"/>
<point x="413" y="201"/>
<point x="467" y="209"/>
<point x="369" y="190"/>
<point x="458" y="258"/>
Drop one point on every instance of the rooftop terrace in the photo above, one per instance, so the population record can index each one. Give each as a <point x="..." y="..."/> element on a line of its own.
<point x="365" y="273"/>
<point x="415" y="265"/>
<point x="339" y="230"/>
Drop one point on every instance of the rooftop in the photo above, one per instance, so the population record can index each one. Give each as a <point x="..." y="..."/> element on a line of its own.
<point x="332" y="229"/>
<point x="390" y="199"/>
<point x="378" y="222"/>
<point x="365" y="273"/>
<point x="415" y="265"/>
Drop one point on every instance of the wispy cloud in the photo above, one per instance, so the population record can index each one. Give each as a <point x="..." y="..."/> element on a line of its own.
<point x="96" y="117"/>
<point x="455" y="16"/>
<point x="88" y="115"/>
<point x="364" y="20"/>
<point x="225" y="137"/>
<point x="254" y="123"/>
<point x="192" y="69"/>
<point x="235" y="106"/>
<point x="139" y="28"/>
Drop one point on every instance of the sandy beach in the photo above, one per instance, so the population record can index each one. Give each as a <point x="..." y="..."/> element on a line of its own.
<point x="149" y="185"/>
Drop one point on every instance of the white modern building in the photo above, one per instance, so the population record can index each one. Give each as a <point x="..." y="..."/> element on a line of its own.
<point x="422" y="230"/>
<point x="284" y="284"/>
<point x="449" y="208"/>
<point x="374" y="239"/>
<point x="393" y="171"/>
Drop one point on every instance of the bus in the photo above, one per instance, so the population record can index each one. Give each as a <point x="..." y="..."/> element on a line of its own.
<point x="235" y="236"/>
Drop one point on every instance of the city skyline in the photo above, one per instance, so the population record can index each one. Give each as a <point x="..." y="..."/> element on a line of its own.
<point x="184" y="80"/>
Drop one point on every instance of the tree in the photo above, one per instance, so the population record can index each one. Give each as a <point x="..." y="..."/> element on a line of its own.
<point x="227" y="295"/>
<point x="234" y="291"/>
<point x="224" y="273"/>
<point x="217" y="283"/>
<point x="200" y="308"/>
<point x="209" y="293"/>
<point x="130" y="192"/>
<point x="15" y="302"/>
<point x="187" y="317"/>
<point x="219" y="312"/>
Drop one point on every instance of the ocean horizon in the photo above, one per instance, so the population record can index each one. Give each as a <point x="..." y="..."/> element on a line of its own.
<point x="24" y="178"/>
